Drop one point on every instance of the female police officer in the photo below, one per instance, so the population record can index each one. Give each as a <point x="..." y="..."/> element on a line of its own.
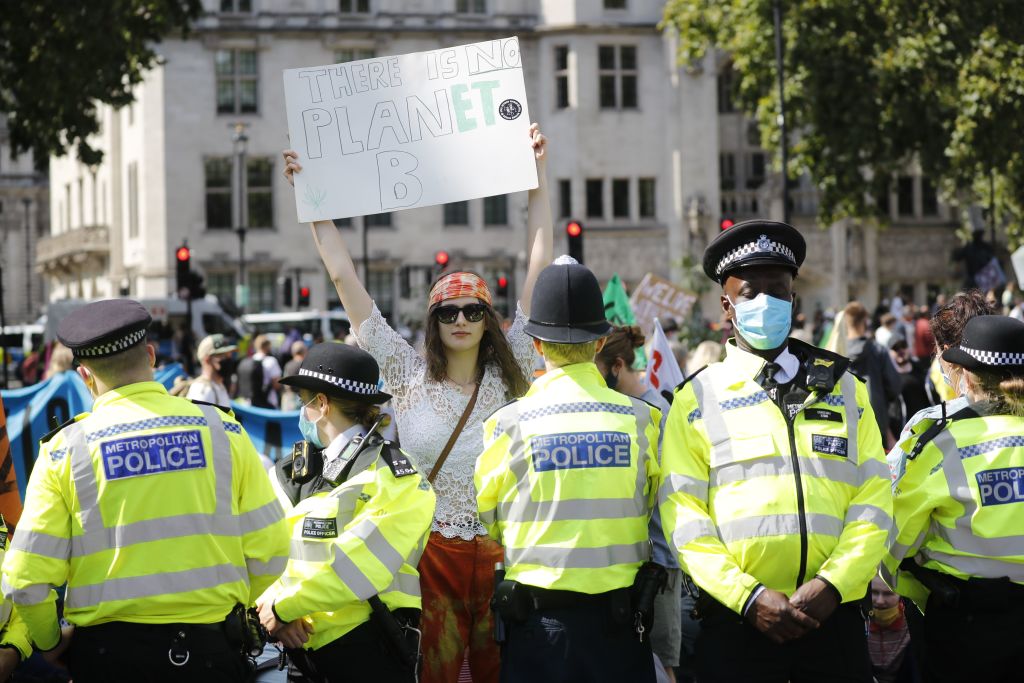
<point x="959" y="552"/>
<point x="360" y="515"/>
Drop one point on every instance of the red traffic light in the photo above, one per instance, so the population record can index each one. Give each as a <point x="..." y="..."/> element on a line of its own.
<point x="441" y="258"/>
<point x="183" y="253"/>
<point x="574" y="229"/>
<point x="727" y="223"/>
<point x="304" y="291"/>
<point x="502" y="282"/>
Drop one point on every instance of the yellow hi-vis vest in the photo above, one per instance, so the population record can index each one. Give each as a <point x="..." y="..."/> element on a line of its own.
<point x="567" y="482"/>
<point x="750" y="499"/>
<point x="361" y="539"/>
<point x="152" y="509"/>
<point x="959" y="506"/>
<point x="13" y="630"/>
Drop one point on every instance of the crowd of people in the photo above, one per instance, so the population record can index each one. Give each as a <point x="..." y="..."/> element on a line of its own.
<point x="794" y="513"/>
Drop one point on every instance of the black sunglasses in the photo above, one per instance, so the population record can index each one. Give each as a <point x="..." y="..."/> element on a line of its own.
<point x="447" y="315"/>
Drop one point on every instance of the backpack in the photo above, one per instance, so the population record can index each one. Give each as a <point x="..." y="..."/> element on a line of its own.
<point x="250" y="382"/>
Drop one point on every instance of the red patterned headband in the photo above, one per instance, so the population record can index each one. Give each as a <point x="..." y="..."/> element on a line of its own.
<point x="455" y="285"/>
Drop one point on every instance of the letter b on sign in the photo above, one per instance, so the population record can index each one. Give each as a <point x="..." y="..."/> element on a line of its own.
<point x="399" y="188"/>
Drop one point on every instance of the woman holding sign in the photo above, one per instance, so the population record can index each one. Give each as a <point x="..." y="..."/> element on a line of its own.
<point x="441" y="399"/>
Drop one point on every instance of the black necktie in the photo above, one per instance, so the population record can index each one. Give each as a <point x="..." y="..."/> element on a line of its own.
<point x="770" y="370"/>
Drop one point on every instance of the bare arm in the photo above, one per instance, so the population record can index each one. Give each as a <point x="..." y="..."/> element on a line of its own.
<point x="539" y="220"/>
<point x="338" y="262"/>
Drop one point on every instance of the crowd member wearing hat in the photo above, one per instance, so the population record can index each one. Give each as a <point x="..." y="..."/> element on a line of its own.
<point x="468" y="370"/>
<point x="156" y="512"/>
<point x="214" y="354"/>
<point x="359" y="514"/>
<point x="777" y="496"/>
<point x="567" y="482"/>
<point x="958" y="511"/>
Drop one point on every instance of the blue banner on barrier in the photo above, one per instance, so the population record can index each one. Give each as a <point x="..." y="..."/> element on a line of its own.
<point x="35" y="410"/>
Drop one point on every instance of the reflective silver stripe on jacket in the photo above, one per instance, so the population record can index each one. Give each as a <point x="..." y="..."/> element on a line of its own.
<point x="579" y="558"/>
<point x="981" y="567"/>
<point x="160" y="583"/>
<point x="27" y="596"/>
<point x="404" y="583"/>
<point x="273" y="567"/>
<point x="673" y="482"/>
<point x="778" y="525"/>
<point x="41" y="543"/>
<point x="714" y="423"/>
<point x="848" y="387"/>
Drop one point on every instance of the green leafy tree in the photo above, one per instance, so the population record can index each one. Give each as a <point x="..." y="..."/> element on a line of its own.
<point x="59" y="58"/>
<point x="871" y="86"/>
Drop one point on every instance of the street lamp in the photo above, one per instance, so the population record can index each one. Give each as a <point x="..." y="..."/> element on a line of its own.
<point x="240" y="206"/>
<point x="779" y="68"/>
<point x="27" y="203"/>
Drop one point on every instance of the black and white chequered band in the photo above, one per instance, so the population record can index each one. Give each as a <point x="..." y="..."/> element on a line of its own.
<point x="760" y="245"/>
<point x="347" y="384"/>
<point x="113" y="347"/>
<point x="994" y="357"/>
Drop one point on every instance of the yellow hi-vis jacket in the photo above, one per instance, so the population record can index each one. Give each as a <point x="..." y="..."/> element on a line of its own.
<point x="152" y="509"/>
<point x="751" y="499"/>
<point x="13" y="630"/>
<point x="567" y="482"/>
<point x="958" y="506"/>
<point x="361" y="539"/>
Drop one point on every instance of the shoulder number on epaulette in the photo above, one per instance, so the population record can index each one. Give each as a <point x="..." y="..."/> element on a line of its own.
<point x="398" y="462"/>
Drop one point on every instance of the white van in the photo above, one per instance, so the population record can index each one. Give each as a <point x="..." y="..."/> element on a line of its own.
<point x="327" y="325"/>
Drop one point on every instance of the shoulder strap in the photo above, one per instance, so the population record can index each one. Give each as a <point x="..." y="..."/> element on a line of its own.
<point x="455" y="435"/>
<point x="932" y="431"/>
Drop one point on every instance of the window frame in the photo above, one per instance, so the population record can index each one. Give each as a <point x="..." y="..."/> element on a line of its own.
<point x="652" y="183"/>
<point x="235" y="78"/>
<point x="588" y="206"/>
<point x="491" y="205"/>
<point x="354" y="6"/>
<point x="563" y="98"/>
<point x="455" y="214"/>
<point x="619" y="76"/>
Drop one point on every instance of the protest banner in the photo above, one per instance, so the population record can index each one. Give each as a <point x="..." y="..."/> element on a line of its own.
<point x="656" y="297"/>
<point x="10" y="497"/>
<point x="410" y="130"/>
<point x="663" y="372"/>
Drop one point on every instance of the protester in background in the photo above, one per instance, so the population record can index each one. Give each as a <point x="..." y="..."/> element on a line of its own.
<point x="271" y="370"/>
<point x="258" y="376"/>
<point x="61" y="360"/>
<point x="886" y="325"/>
<point x="469" y="370"/>
<point x="706" y="353"/>
<point x="889" y="637"/>
<point x="924" y="342"/>
<point x="290" y="397"/>
<point x="913" y="396"/>
<point x="800" y="330"/>
<point x="871" y="362"/>
<point x="907" y="326"/>
<point x="615" y="362"/>
<point x="214" y="354"/>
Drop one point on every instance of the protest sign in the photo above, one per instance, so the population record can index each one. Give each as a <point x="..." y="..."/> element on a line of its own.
<point x="663" y="371"/>
<point x="656" y="297"/>
<point x="410" y="130"/>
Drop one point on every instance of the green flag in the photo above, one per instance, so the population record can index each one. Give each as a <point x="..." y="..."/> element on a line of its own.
<point x="616" y="303"/>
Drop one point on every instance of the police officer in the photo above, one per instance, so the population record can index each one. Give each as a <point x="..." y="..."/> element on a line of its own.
<point x="15" y="646"/>
<point x="156" y="512"/>
<point x="348" y="602"/>
<point x="959" y="514"/>
<point x="566" y="482"/>
<point x="777" y="494"/>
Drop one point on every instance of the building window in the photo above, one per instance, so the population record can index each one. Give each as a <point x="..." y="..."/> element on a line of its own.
<point x="564" y="198"/>
<point x="221" y="285"/>
<point x="352" y="54"/>
<point x="456" y="213"/>
<point x="262" y="288"/>
<point x="471" y="6"/>
<point x="929" y="198"/>
<point x="617" y="75"/>
<point x="905" y="196"/>
<point x="561" y="76"/>
<point x="755" y="170"/>
<point x="753" y="134"/>
<point x="237" y="81"/>
<point x="377" y="220"/>
<point x="595" y="198"/>
<point x="260" y="199"/>
<point x="725" y="86"/>
<point x="647" y="198"/>
<point x="615" y="4"/>
<point x="343" y="223"/>
<point x="236" y="6"/>
<point x="496" y="210"/>
<point x="218" y="193"/>
<point x="380" y="284"/>
<point x="133" y="199"/>
<point x="727" y="172"/>
<point x="354" y="6"/>
<point x="620" y="197"/>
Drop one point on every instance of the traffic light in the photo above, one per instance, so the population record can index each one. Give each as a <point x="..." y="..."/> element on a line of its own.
<point x="196" y="290"/>
<point x="303" y="296"/>
<point x="726" y="223"/>
<point x="502" y="290"/>
<point x="574" y="235"/>
<point x="183" y="261"/>
<point x="286" y="291"/>
<point x="441" y="259"/>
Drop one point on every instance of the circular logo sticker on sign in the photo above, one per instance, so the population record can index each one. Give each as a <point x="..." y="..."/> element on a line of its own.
<point x="510" y="109"/>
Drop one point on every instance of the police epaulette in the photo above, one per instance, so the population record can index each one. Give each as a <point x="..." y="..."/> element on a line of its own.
<point x="226" y="411"/>
<point x="53" y="432"/>
<point x="687" y="380"/>
<point x="397" y="461"/>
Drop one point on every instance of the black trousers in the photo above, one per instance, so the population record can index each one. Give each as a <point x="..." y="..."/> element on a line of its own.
<point x="574" y="645"/>
<point x="120" y="651"/>
<point x="978" y="640"/>
<point x="730" y="650"/>
<point x="360" y="655"/>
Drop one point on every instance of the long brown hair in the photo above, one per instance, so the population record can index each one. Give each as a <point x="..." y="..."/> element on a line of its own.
<point x="494" y="349"/>
<point x="1005" y="390"/>
<point x="622" y="343"/>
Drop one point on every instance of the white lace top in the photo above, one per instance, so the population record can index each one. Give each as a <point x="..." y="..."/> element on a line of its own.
<point x="427" y="412"/>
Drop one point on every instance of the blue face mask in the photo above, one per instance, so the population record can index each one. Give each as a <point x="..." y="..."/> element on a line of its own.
<point x="308" y="428"/>
<point x="763" y="321"/>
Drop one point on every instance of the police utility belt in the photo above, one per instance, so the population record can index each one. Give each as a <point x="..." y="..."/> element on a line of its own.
<point x="628" y="607"/>
<point x="989" y="595"/>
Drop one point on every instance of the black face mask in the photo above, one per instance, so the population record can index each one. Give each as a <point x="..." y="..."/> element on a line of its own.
<point x="611" y="379"/>
<point x="225" y="368"/>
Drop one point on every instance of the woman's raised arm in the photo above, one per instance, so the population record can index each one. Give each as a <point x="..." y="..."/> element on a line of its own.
<point x="539" y="220"/>
<point x="338" y="262"/>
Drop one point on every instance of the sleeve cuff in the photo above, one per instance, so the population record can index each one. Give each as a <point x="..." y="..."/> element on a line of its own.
<point x="12" y="646"/>
<point x="754" y="595"/>
<point x="56" y="641"/>
<point x="835" y="591"/>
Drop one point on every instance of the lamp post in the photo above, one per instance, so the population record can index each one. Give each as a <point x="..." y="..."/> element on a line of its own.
<point x="779" y="68"/>
<point x="27" y="203"/>
<point x="240" y="206"/>
<point x="3" y="315"/>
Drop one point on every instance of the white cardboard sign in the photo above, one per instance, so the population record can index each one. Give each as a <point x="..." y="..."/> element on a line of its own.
<point x="410" y="130"/>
